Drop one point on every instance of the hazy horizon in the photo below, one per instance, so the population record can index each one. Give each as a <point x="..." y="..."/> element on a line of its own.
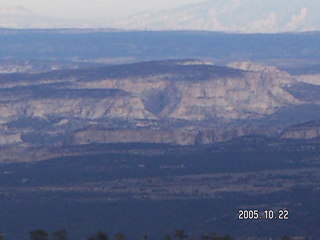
<point x="248" y="16"/>
<point x="94" y="8"/>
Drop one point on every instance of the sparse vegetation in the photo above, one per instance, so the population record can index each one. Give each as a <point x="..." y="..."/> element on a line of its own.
<point x="38" y="235"/>
<point x="60" y="235"/>
<point x="101" y="235"/>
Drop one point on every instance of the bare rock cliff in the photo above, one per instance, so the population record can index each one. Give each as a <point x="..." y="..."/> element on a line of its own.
<point x="174" y="102"/>
<point x="309" y="130"/>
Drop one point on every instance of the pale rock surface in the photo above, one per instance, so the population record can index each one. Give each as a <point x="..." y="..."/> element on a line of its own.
<point x="164" y="107"/>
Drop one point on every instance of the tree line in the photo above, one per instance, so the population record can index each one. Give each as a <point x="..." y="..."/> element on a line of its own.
<point x="178" y="234"/>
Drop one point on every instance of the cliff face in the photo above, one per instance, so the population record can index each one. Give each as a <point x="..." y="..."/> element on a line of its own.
<point x="85" y="108"/>
<point x="176" y="102"/>
<point x="176" y="137"/>
<point x="308" y="130"/>
<point x="203" y="94"/>
<point x="28" y="66"/>
<point x="184" y="91"/>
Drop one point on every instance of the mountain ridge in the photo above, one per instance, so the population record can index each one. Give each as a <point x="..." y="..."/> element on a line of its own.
<point x="175" y="101"/>
<point x="245" y="16"/>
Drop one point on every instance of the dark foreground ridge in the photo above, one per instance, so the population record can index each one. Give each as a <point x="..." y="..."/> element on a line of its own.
<point x="178" y="234"/>
<point x="151" y="189"/>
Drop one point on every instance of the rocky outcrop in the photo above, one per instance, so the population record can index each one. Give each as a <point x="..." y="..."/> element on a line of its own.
<point x="86" y="108"/>
<point x="309" y="78"/>
<point x="175" y="137"/>
<point x="28" y="66"/>
<point x="9" y="138"/>
<point x="246" y="94"/>
<point x="309" y="130"/>
<point x="175" y="91"/>
<point x="256" y="67"/>
<point x="182" y="102"/>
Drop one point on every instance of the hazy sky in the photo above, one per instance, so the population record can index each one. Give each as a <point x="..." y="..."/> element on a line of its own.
<point x="97" y="8"/>
<point x="210" y="15"/>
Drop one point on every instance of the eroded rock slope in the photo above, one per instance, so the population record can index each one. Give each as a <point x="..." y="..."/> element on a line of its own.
<point x="181" y="102"/>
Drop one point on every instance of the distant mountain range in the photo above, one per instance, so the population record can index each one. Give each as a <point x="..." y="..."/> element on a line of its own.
<point x="20" y="17"/>
<point x="214" y="15"/>
<point x="232" y="15"/>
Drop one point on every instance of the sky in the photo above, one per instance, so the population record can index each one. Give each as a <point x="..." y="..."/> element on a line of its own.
<point x="97" y="8"/>
<point x="209" y="15"/>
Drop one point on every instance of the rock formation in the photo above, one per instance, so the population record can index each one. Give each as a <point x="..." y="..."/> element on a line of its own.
<point x="182" y="102"/>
